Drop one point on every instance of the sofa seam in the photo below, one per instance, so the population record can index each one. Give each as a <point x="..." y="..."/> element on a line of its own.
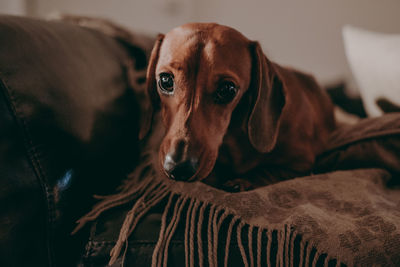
<point x="32" y="155"/>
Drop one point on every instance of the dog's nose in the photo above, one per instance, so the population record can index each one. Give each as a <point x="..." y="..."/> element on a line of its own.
<point x="180" y="171"/>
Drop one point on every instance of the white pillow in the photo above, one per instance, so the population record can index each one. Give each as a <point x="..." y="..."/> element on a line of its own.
<point x="374" y="60"/>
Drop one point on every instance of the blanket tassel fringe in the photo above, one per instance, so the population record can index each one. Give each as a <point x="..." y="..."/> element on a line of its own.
<point x="203" y="224"/>
<point x="257" y="246"/>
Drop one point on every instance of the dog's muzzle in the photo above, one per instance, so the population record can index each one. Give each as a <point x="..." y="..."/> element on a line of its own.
<point x="182" y="170"/>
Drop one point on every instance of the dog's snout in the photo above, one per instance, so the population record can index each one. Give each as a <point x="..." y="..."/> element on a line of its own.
<point x="181" y="170"/>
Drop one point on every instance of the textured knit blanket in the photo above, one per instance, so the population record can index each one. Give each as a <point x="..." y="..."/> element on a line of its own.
<point x="347" y="214"/>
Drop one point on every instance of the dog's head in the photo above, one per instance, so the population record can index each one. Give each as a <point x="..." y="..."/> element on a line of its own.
<point x="198" y="74"/>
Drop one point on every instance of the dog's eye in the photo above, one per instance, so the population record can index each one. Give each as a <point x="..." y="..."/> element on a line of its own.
<point x="225" y="93"/>
<point x="166" y="83"/>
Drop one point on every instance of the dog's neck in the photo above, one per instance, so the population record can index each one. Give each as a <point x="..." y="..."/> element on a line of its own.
<point x="237" y="151"/>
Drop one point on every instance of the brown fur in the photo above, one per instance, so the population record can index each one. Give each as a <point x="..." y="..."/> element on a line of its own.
<point x="279" y="119"/>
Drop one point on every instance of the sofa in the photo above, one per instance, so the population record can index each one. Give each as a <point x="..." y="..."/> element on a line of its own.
<point x="69" y="121"/>
<point x="71" y="99"/>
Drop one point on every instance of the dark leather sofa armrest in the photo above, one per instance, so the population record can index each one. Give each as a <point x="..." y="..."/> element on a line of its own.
<point x="68" y="118"/>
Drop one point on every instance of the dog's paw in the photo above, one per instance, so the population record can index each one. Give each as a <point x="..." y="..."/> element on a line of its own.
<point x="237" y="185"/>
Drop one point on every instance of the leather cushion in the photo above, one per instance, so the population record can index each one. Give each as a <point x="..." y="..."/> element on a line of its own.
<point x="69" y="119"/>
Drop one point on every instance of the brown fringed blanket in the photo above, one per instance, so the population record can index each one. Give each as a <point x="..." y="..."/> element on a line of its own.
<point x="348" y="214"/>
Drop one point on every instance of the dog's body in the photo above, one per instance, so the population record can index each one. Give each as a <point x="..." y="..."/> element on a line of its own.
<point x="223" y="103"/>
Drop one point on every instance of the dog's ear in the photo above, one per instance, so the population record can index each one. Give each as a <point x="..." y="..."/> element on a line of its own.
<point x="268" y="99"/>
<point x="151" y="84"/>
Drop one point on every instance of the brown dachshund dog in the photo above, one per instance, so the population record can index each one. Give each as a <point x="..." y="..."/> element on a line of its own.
<point x="229" y="112"/>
